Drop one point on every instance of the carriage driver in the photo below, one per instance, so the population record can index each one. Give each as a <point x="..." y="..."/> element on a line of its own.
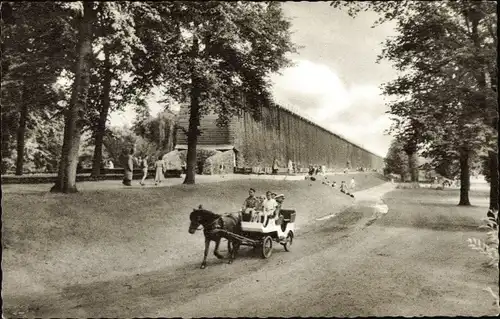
<point x="250" y="203"/>
<point x="251" y="200"/>
<point x="279" y="200"/>
<point x="279" y="217"/>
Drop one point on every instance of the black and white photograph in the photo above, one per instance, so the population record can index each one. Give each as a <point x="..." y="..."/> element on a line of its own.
<point x="204" y="159"/>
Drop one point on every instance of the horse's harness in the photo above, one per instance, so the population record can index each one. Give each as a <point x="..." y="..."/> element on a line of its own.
<point x="207" y="229"/>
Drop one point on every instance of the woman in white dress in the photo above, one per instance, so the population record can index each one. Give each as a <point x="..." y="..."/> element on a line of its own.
<point x="144" y="166"/>
<point x="160" y="168"/>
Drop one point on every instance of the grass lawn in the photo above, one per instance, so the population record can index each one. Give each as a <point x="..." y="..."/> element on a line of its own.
<point x="54" y="240"/>
<point x="435" y="251"/>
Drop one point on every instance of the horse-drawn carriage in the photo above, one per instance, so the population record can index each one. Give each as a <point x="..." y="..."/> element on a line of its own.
<point x="239" y="229"/>
<point x="261" y="235"/>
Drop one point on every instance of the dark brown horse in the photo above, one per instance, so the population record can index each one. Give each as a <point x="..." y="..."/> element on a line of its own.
<point x="214" y="227"/>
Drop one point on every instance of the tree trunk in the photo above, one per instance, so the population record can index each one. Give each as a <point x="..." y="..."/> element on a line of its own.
<point x="464" y="178"/>
<point x="66" y="178"/>
<point x="6" y="140"/>
<point x="413" y="166"/>
<point x="192" y="137"/>
<point x="194" y="122"/>
<point x="493" y="160"/>
<point x="21" y="133"/>
<point x="475" y="17"/>
<point x="103" y="115"/>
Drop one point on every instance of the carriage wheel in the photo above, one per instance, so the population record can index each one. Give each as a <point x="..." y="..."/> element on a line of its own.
<point x="267" y="247"/>
<point x="289" y="241"/>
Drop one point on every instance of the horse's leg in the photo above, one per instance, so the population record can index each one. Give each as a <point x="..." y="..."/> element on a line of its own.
<point x="231" y="253"/>
<point x="216" y="250"/>
<point x="229" y="248"/>
<point x="234" y="250"/>
<point x="207" y="245"/>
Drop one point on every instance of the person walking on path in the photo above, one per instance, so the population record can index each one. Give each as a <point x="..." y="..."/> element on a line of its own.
<point x="275" y="166"/>
<point x="352" y="185"/>
<point x="128" y="168"/>
<point x="144" y="166"/>
<point x="160" y="169"/>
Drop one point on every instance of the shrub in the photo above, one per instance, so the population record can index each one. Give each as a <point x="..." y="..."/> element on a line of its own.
<point x="201" y="157"/>
<point x="408" y="186"/>
<point x="173" y="160"/>
<point x="220" y="163"/>
<point x="7" y="164"/>
<point x="489" y="246"/>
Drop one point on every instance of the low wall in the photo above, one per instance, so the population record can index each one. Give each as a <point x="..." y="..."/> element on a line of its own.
<point x="116" y="174"/>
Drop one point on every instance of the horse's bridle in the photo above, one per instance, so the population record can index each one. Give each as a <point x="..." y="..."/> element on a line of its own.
<point x="207" y="227"/>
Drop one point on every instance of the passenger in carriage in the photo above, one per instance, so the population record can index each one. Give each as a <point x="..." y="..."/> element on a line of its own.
<point x="279" y="200"/>
<point x="260" y="200"/>
<point x="279" y="218"/>
<point x="251" y="201"/>
<point x="269" y="205"/>
<point x="250" y="204"/>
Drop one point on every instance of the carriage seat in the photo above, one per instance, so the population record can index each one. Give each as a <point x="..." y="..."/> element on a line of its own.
<point x="247" y="214"/>
<point x="288" y="215"/>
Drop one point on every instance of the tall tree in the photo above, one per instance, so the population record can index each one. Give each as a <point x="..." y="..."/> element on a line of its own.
<point x="114" y="36"/>
<point x="132" y="38"/>
<point x="396" y="161"/>
<point x="224" y="52"/>
<point x="31" y="64"/>
<point x="442" y="51"/>
<point x="66" y="178"/>
<point x="159" y="131"/>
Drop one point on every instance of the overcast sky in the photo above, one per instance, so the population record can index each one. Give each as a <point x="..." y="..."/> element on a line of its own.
<point x="335" y="80"/>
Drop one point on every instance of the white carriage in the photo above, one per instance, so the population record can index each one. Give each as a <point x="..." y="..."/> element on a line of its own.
<point x="263" y="232"/>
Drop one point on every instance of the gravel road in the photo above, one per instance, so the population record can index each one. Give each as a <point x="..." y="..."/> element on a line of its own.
<point x="366" y="261"/>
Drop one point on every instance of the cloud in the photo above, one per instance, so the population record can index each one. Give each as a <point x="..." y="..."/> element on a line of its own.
<point x="316" y="91"/>
<point x="312" y="87"/>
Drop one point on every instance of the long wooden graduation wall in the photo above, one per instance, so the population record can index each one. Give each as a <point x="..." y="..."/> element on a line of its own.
<point x="282" y="134"/>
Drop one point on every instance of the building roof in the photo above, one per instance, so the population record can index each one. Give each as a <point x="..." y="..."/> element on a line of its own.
<point x="220" y="147"/>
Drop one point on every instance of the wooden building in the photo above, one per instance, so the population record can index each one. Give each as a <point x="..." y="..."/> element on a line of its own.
<point x="280" y="134"/>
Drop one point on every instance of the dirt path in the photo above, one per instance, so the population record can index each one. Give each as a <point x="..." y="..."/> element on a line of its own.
<point x="366" y="261"/>
<point x="180" y="280"/>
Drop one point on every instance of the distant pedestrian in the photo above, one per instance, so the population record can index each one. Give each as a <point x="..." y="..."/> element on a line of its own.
<point x="275" y="166"/>
<point x="144" y="166"/>
<point x="290" y="167"/>
<point x="352" y="185"/>
<point x="111" y="165"/>
<point x="128" y="168"/>
<point x="311" y="170"/>
<point x="160" y="168"/>
<point x="343" y="187"/>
